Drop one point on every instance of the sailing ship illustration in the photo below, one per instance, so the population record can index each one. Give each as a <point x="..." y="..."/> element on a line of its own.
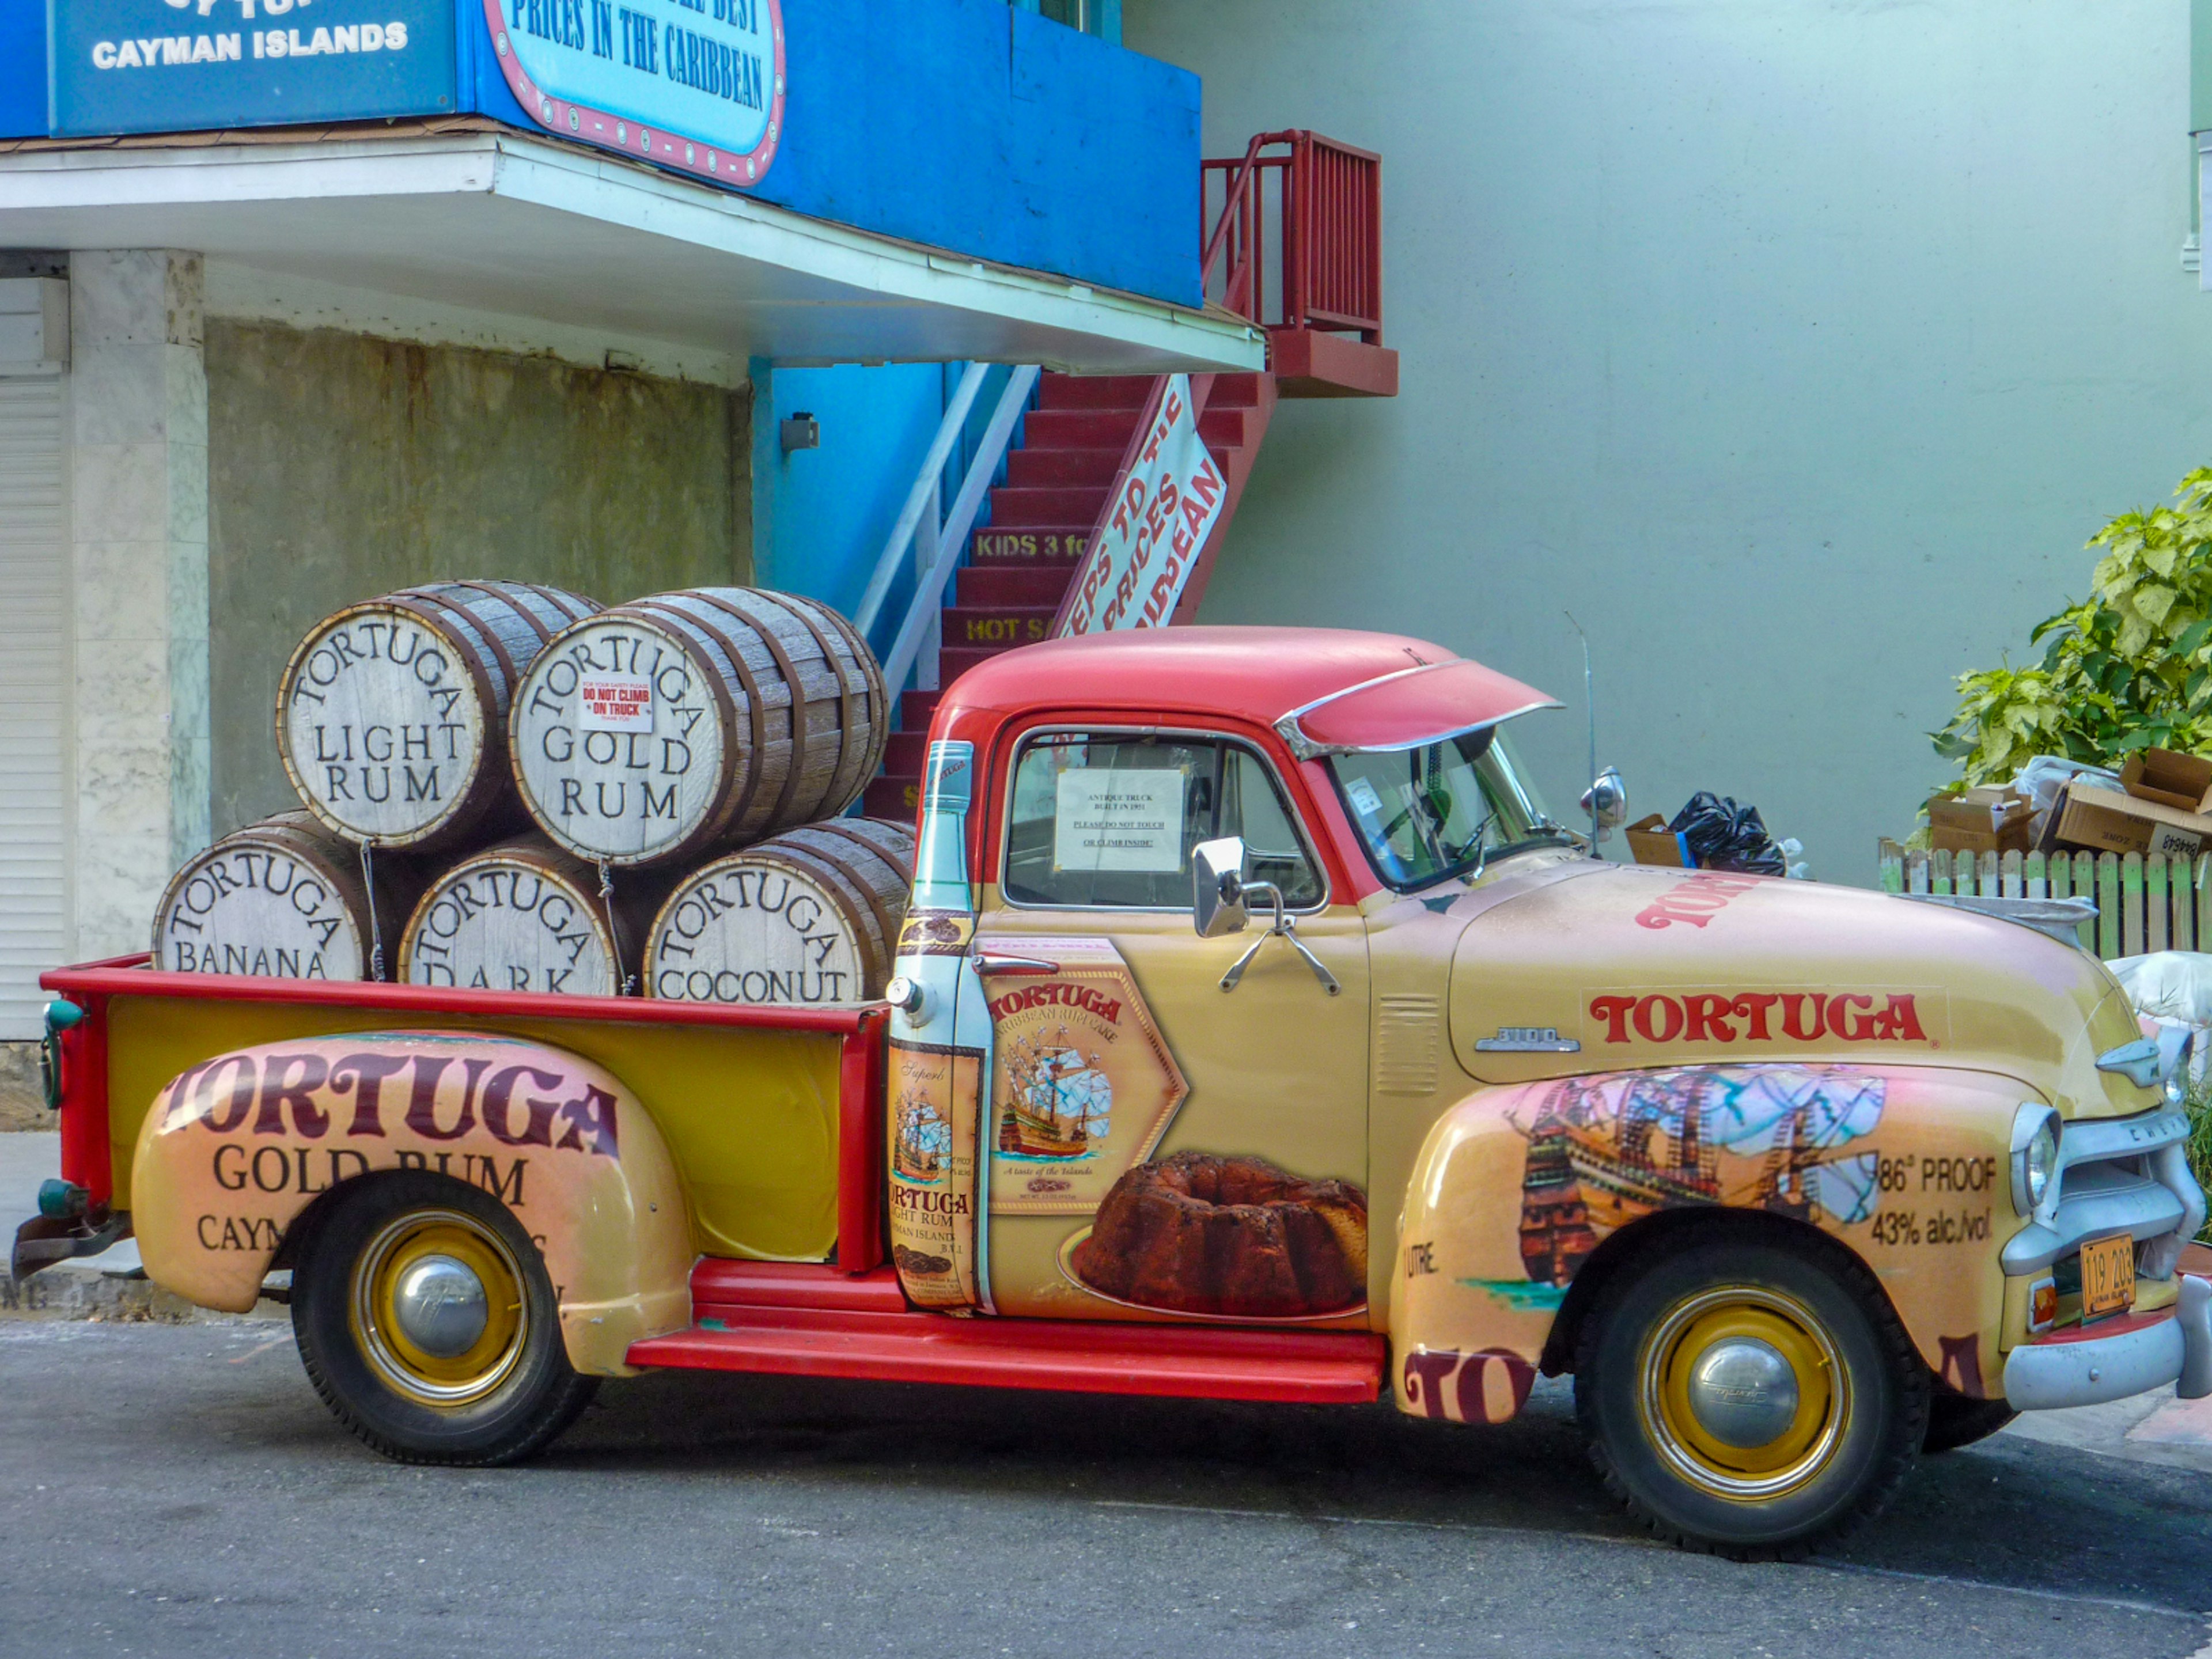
<point x="1061" y="1101"/>
<point x="1605" y="1150"/>
<point x="924" y="1139"/>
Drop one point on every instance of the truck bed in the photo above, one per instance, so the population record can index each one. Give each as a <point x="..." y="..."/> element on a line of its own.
<point x="773" y="1114"/>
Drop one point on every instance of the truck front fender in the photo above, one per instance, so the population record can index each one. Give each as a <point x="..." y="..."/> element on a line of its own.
<point x="1517" y="1187"/>
<point x="237" y="1148"/>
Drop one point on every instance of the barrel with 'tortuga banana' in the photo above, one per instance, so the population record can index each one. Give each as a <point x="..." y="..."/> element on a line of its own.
<point x="685" y="723"/>
<point x="281" y="899"/>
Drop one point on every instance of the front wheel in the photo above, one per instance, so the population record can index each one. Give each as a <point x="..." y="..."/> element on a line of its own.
<point x="1954" y="1420"/>
<point x="1748" y="1397"/>
<point x="427" y="1323"/>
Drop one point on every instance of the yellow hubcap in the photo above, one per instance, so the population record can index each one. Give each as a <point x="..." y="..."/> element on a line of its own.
<point x="438" y="1309"/>
<point x="1742" y="1392"/>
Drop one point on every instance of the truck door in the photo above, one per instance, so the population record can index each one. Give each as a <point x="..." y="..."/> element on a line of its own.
<point x="1126" y="1078"/>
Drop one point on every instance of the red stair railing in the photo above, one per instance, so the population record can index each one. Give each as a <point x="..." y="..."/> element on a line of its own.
<point x="1326" y="215"/>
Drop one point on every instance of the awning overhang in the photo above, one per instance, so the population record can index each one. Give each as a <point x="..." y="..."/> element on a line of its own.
<point x="500" y="222"/>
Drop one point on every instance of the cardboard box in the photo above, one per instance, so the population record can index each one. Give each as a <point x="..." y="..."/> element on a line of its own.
<point x="2106" y="821"/>
<point x="2169" y="778"/>
<point x="1985" y="820"/>
<point x="1651" y="841"/>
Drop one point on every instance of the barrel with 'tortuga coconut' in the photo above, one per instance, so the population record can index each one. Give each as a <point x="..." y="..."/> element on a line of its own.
<point x="808" y="917"/>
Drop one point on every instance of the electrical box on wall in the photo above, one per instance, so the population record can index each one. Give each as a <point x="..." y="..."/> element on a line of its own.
<point x="34" y="326"/>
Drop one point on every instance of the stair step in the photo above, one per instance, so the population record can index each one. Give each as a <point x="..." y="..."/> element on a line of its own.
<point x="1234" y="392"/>
<point x="904" y="753"/>
<point x="997" y="628"/>
<point x="1222" y="428"/>
<point x="1022" y="508"/>
<point x="954" y="660"/>
<point x="1031" y="466"/>
<point x="1032" y="545"/>
<point x="898" y="799"/>
<point x="1067" y="1356"/>
<point x="1078" y="428"/>
<point x="916" y="709"/>
<point x="722" y="1282"/>
<point x="1094" y="390"/>
<point x="1001" y="585"/>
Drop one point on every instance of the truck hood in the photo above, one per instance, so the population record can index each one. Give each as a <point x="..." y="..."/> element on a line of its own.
<point x="1638" y="966"/>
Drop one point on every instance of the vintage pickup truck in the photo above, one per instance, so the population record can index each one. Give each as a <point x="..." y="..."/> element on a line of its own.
<point x="1256" y="1035"/>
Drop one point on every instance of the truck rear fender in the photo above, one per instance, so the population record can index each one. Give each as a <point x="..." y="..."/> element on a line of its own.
<point x="237" y="1150"/>
<point x="1525" y="1198"/>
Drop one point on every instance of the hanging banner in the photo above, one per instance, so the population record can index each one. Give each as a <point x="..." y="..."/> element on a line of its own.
<point x="1135" y="568"/>
<point x="144" y="66"/>
<point x="693" y="84"/>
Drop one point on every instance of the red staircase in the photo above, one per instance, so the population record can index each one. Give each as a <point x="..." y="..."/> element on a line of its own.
<point x="1073" y="444"/>
<point x="1306" y="208"/>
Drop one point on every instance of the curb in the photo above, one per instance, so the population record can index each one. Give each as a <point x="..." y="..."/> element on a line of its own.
<point x="83" y="1290"/>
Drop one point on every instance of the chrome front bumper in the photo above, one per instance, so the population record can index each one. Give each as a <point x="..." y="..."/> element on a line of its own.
<point x="2080" y="1367"/>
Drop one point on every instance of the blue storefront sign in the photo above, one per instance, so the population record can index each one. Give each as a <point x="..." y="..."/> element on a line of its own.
<point x="181" y="65"/>
<point x="694" y="84"/>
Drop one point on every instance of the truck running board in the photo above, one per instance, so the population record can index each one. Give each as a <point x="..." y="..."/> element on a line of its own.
<point x="801" y="1320"/>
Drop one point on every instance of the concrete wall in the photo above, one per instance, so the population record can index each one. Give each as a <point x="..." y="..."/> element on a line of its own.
<point x="138" y="459"/>
<point x="342" y="467"/>
<point x="1795" y="345"/>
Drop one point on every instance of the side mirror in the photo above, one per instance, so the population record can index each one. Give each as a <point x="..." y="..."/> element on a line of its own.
<point x="1607" y="799"/>
<point x="1217" y="875"/>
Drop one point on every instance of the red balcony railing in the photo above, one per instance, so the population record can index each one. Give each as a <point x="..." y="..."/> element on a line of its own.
<point x="1318" y="204"/>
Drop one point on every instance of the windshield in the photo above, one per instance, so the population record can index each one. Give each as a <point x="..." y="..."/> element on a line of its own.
<point x="1438" y="810"/>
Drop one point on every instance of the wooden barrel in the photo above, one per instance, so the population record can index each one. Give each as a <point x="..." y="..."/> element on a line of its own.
<point x="522" y="915"/>
<point x="809" y="916"/>
<point x="679" y="725"/>
<point x="282" y="898"/>
<point x="392" y="715"/>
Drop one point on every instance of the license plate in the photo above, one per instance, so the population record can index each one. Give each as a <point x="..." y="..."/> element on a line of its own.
<point x="2108" y="1277"/>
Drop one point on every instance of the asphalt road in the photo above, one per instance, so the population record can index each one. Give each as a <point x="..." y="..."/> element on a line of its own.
<point x="179" y="1490"/>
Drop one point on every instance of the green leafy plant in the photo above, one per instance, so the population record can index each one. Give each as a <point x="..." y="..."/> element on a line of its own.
<point x="2130" y="668"/>
<point x="2199" y="1106"/>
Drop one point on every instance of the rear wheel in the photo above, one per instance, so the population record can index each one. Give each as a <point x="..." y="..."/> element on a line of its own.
<point x="1749" y="1397"/>
<point x="427" y="1323"/>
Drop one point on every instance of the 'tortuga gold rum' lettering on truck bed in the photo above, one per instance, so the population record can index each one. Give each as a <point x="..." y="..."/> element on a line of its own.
<point x="1759" y="1016"/>
<point x="300" y="1094"/>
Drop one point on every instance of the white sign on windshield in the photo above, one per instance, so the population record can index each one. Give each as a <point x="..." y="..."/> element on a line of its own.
<point x="1118" y="821"/>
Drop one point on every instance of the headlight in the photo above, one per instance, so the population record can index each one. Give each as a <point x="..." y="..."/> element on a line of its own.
<point x="2034" y="1155"/>
<point x="2177" y="1090"/>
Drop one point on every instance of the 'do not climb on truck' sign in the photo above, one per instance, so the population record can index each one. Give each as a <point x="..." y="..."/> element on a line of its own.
<point x="693" y="84"/>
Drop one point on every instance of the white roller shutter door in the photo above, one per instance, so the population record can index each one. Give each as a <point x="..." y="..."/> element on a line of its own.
<point x="33" y="711"/>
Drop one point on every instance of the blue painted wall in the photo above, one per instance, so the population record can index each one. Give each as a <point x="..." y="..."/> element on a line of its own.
<point x="971" y="125"/>
<point x="820" y="515"/>
<point x="965" y="124"/>
<point x="22" y="69"/>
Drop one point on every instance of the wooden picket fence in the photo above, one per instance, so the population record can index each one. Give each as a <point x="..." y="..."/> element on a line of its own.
<point x="2158" y="903"/>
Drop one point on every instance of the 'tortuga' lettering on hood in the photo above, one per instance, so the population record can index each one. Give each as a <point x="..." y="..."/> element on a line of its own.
<point x="1780" y="970"/>
<point x="1759" y="1016"/>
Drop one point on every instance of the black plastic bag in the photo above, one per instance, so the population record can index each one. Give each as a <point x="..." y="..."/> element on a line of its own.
<point x="1723" y="836"/>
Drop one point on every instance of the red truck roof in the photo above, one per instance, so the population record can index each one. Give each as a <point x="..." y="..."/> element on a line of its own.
<point x="1256" y="674"/>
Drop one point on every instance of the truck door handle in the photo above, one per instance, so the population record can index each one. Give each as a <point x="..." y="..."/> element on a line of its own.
<point x="1014" y="965"/>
